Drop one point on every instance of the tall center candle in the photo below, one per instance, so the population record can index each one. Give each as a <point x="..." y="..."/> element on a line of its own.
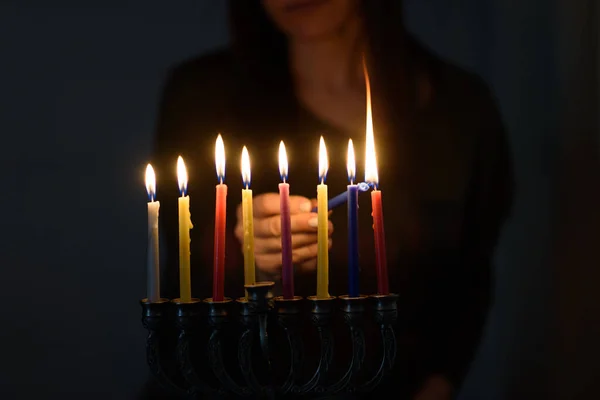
<point x="322" y="226"/>
<point x="153" y="270"/>
<point x="287" y="267"/>
<point x="248" y="222"/>
<point x="353" y="266"/>
<point x="372" y="177"/>
<point x="185" y="224"/>
<point x="220" y="223"/>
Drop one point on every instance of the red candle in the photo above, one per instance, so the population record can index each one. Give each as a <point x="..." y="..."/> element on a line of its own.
<point x="220" y="221"/>
<point x="287" y="271"/>
<point x="372" y="177"/>
<point x="380" y="254"/>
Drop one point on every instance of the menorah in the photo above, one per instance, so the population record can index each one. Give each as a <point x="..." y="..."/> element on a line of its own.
<point x="254" y="347"/>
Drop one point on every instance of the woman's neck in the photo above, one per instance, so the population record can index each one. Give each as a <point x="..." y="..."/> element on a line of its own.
<point x="332" y="64"/>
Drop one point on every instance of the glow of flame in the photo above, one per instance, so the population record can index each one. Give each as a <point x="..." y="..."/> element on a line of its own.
<point x="283" y="162"/>
<point x="323" y="160"/>
<point x="351" y="163"/>
<point x="150" y="182"/>
<point x="220" y="158"/>
<point x="371" y="174"/>
<point x="182" y="176"/>
<point x="245" y="167"/>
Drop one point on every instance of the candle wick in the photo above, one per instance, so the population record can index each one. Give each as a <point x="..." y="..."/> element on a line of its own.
<point x="220" y="180"/>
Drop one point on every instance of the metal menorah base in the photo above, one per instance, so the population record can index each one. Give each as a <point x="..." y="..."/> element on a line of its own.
<point x="197" y="349"/>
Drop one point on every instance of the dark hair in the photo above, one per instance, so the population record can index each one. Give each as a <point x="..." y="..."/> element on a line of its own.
<point x="395" y="63"/>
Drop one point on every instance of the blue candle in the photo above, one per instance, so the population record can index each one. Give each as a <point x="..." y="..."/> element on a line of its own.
<point x="352" y="198"/>
<point x="343" y="197"/>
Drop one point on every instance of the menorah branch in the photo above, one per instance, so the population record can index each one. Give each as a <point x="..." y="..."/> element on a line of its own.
<point x="385" y="307"/>
<point x="188" y="345"/>
<point x="321" y="317"/>
<point x="288" y="312"/>
<point x="155" y="318"/>
<point x="188" y="318"/>
<point x="353" y="309"/>
<point x="218" y="318"/>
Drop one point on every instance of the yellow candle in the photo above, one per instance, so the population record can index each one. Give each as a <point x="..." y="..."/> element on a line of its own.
<point x="185" y="224"/>
<point x="323" y="222"/>
<point x="248" y="222"/>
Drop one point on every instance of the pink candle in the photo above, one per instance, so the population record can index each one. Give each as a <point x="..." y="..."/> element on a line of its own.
<point x="287" y="272"/>
<point x="220" y="223"/>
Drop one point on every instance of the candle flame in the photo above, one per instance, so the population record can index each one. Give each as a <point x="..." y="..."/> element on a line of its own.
<point x="371" y="174"/>
<point x="220" y="158"/>
<point x="323" y="160"/>
<point x="182" y="176"/>
<point x="351" y="162"/>
<point x="245" y="167"/>
<point x="283" y="162"/>
<point x="150" y="182"/>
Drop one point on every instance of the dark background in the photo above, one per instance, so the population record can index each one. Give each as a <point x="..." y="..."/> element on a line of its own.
<point x="78" y="90"/>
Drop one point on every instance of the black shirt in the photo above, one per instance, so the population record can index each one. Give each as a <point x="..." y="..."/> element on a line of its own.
<point x="446" y="187"/>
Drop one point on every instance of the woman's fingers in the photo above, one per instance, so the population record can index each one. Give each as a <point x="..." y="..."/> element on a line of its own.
<point x="273" y="244"/>
<point x="299" y="223"/>
<point x="268" y="205"/>
<point x="305" y="257"/>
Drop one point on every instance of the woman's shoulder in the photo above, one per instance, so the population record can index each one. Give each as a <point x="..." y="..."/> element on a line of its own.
<point x="446" y="79"/>
<point x="461" y="88"/>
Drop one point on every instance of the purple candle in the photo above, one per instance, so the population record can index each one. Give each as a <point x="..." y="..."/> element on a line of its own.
<point x="287" y="271"/>
<point x="353" y="267"/>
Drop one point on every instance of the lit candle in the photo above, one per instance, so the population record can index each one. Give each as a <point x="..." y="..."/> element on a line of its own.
<point x="153" y="288"/>
<point x="353" y="268"/>
<point x="371" y="176"/>
<point x="185" y="224"/>
<point x="322" y="226"/>
<point x="220" y="220"/>
<point x="287" y="270"/>
<point x="248" y="222"/>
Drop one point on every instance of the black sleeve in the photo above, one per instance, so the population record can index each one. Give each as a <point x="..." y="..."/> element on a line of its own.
<point x="192" y="110"/>
<point x="464" y="295"/>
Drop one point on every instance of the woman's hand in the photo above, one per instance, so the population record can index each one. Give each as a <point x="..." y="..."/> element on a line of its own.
<point x="267" y="232"/>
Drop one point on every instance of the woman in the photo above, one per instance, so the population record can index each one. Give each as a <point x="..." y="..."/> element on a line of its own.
<point x="294" y="73"/>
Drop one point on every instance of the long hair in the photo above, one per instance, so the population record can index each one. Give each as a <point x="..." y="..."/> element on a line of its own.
<point x="396" y="64"/>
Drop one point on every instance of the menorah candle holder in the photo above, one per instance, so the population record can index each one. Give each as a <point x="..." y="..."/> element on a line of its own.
<point x="255" y="347"/>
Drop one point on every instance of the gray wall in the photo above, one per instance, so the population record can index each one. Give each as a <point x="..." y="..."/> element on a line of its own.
<point x="78" y="89"/>
<point x="78" y="92"/>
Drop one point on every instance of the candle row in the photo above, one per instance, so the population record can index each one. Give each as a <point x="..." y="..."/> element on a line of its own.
<point x="185" y="225"/>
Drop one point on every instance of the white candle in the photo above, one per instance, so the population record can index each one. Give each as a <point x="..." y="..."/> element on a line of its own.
<point x="153" y="268"/>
